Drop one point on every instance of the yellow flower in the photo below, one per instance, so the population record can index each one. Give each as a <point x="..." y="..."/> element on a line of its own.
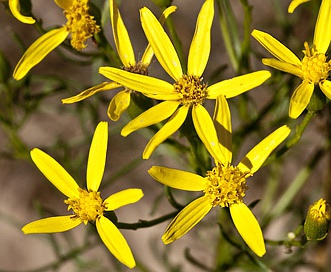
<point x="189" y="91"/>
<point x="312" y="69"/>
<point x="318" y="220"/>
<point x="294" y="4"/>
<point x="86" y="204"/>
<point x="224" y="186"/>
<point x="79" y="24"/>
<point x="121" y="100"/>
<point x="14" y="6"/>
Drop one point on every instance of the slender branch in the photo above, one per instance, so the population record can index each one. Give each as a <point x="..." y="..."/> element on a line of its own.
<point x="60" y="261"/>
<point x="294" y="139"/>
<point x="295" y="186"/>
<point x="144" y="223"/>
<point x="194" y="261"/>
<point x="171" y="198"/>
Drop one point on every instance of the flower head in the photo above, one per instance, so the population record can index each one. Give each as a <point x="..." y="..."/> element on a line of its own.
<point x="86" y="204"/>
<point x="224" y="186"/>
<point x="80" y="24"/>
<point x="313" y="68"/>
<point x="188" y="92"/>
<point x="318" y="220"/>
<point x="121" y="100"/>
<point x="14" y="6"/>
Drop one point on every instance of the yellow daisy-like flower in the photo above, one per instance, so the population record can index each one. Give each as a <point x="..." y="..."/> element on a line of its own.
<point x="14" y="6"/>
<point x="224" y="186"/>
<point x="294" y="4"/>
<point x="80" y="25"/>
<point x="189" y="91"/>
<point x="86" y="204"/>
<point x="312" y="69"/>
<point x="316" y="226"/>
<point x="121" y="100"/>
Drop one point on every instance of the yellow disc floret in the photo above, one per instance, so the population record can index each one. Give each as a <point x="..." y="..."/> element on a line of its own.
<point x="192" y="90"/>
<point x="320" y="209"/>
<point x="226" y="185"/>
<point x="88" y="206"/>
<point x="80" y="24"/>
<point x="315" y="68"/>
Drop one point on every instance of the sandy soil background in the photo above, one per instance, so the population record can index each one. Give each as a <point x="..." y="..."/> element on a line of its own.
<point x="22" y="186"/>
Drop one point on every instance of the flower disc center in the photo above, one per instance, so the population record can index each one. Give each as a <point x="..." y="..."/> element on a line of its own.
<point x="88" y="206"/>
<point x="314" y="65"/>
<point x="226" y="185"/>
<point x="80" y="24"/>
<point x="192" y="89"/>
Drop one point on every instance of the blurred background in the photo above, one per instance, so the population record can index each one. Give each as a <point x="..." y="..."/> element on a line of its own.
<point x="32" y="115"/>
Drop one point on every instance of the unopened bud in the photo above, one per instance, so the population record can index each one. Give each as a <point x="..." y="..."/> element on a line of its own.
<point x="317" y="222"/>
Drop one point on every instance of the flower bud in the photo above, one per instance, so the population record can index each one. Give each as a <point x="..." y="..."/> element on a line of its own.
<point x="317" y="220"/>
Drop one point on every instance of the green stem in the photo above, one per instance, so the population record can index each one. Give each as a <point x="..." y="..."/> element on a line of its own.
<point x="294" y="139"/>
<point x="224" y="10"/>
<point x="176" y="42"/>
<point x="300" y="129"/>
<point x="295" y="187"/>
<point x="145" y="224"/>
<point x="61" y="260"/>
<point x="171" y="198"/>
<point x="245" y="46"/>
<point x="194" y="261"/>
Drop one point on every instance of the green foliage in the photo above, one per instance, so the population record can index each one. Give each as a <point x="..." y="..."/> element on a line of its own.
<point x="294" y="176"/>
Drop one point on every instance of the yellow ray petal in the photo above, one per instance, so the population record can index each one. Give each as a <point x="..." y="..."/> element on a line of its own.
<point x="121" y="36"/>
<point x="149" y="53"/>
<point x="38" y="51"/>
<point x="97" y="157"/>
<point x="14" y="6"/>
<point x="115" y="241"/>
<point x="200" y="47"/>
<point x="237" y="85"/>
<point x="173" y="124"/>
<point x="256" y="157"/>
<point x="105" y="86"/>
<point x="206" y="131"/>
<point x="178" y="179"/>
<point x="149" y="86"/>
<point x="64" y="4"/>
<point x="284" y="66"/>
<point x="52" y="224"/>
<point x="294" y="4"/>
<point x="187" y="219"/>
<point x="150" y="117"/>
<point x="55" y="173"/>
<point x="276" y="48"/>
<point x="119" y="104"/>
<point x="161" y="44"/>
<point x="326" y="88"/>
<point x="222" y="122"/>
<point x="322" y="35"/>
<point x="123" y="198"/>
<point x="300" y="99"/>
<point x="248" y="228"/>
